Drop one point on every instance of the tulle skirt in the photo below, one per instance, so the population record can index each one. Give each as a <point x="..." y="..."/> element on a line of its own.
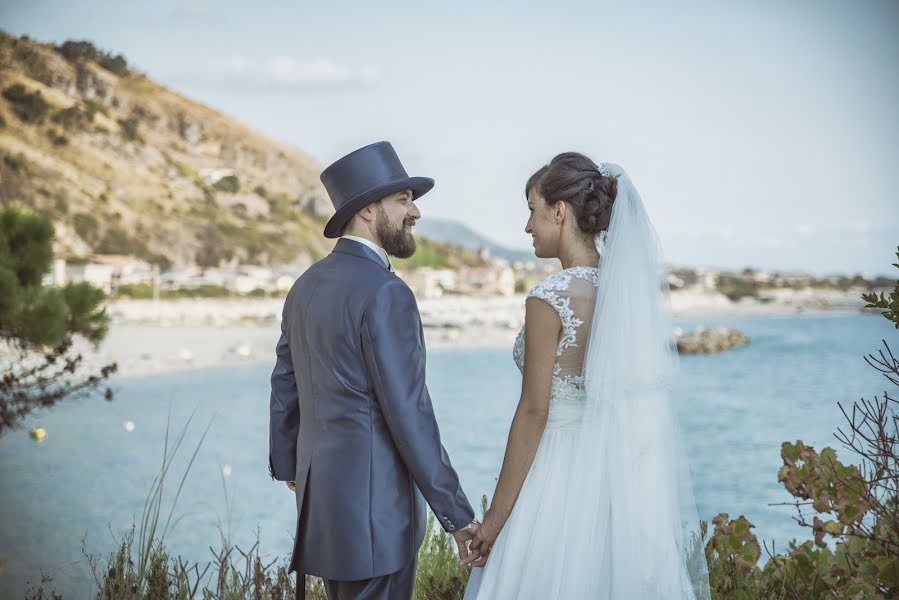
<point x="528" y="558"/>
<point x="557" y="543"/>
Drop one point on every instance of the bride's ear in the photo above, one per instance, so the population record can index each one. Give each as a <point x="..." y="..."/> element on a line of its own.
<point x="559" y="210"/>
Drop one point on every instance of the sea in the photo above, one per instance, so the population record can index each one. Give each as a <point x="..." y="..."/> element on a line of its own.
<point x="77" y="493"/>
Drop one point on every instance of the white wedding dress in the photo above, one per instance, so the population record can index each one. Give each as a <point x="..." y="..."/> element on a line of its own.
<point x="606" y="510"/>
<point x="529" y="556"/>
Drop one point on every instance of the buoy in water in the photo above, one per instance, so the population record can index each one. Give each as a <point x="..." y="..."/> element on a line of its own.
<point x="38" y="433"/>
<point x="128" y="426"/>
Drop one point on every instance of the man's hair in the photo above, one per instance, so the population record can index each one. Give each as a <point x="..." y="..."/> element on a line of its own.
<point x="350" y="220"/>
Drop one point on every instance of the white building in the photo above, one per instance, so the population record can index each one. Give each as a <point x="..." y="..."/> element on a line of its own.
<point x="98" y="275"/>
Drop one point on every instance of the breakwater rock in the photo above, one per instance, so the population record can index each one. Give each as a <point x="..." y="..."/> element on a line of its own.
<point x="709" y="341"/>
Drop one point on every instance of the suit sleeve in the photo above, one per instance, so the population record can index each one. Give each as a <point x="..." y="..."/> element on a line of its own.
<point x="284" y="412"/>
<point x="394" y="354"/>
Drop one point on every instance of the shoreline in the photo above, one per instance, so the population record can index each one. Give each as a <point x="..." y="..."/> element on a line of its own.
<point x="171" y="336"/>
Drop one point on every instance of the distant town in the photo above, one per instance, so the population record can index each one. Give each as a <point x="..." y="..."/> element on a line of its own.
<point x="121" y="276"/>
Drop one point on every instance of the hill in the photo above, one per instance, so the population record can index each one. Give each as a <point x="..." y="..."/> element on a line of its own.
<point x="453" y="232"/>
<point x="123" y="165"/>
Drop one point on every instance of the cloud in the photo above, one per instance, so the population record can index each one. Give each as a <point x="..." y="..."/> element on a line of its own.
<point x="281" y="72"/>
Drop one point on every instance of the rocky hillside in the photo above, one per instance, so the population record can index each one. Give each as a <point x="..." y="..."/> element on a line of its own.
<point x="124" y="165"/>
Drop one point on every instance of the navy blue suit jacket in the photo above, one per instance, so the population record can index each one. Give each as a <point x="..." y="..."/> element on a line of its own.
<point x="352" y="422"/>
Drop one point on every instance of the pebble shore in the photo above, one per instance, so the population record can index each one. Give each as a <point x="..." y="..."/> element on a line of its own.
<point x="148" y="337"/>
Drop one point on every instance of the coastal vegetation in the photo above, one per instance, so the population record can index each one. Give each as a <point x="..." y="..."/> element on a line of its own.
<point x="38" y="367"/>
<point x="851" y="510"/>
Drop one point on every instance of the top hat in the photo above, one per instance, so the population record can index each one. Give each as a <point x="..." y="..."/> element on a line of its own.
<point x="365" y="176"/>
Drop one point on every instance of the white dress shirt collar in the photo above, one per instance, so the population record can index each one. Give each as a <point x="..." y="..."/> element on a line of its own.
<point x="378" y="250"/>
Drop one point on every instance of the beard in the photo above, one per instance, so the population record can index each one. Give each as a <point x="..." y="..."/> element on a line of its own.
<point x="396" y="241"/>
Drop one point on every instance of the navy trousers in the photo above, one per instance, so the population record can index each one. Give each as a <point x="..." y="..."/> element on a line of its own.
<point x="394" y="586"/>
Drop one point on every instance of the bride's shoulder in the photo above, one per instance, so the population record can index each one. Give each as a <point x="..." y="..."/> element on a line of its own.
<point x="550" y="287"/>
<point x="551" y="281"/>
<point x="561" y="281"/>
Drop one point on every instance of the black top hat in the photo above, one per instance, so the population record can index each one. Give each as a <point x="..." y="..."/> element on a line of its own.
<point x="365" y="176"/>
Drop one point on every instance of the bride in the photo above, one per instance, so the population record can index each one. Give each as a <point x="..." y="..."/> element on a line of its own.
<point x="593" y="499"/>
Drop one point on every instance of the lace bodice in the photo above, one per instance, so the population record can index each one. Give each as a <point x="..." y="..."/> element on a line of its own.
<point x="572" y="293"/>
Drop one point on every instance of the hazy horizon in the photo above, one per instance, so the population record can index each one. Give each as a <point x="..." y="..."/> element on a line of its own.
<point x="759" y="134"/>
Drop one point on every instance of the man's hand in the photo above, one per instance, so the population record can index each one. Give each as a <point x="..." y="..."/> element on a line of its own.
<point x="292" y="485"/>
<point x="462" y="537"/>
<point x="485" y="537"/>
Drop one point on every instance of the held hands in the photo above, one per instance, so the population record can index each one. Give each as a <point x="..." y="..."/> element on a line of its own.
<point x="478" y="551"/>
<point x="485" y="537"/>
<point x="462" y="537"/>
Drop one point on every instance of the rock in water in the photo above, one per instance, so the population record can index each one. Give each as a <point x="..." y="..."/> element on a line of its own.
<point x="710" y="341"/>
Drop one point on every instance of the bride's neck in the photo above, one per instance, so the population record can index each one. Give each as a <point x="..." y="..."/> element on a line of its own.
<point x="578" y="254"/>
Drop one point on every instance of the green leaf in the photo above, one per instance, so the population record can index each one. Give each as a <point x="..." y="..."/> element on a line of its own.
<point x="888" y="570"/>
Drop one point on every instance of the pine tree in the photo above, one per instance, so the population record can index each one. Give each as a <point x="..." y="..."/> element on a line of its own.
<point x="38" y="323"/>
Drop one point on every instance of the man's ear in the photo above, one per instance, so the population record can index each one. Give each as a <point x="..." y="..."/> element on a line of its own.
<point x="367" y="212"/>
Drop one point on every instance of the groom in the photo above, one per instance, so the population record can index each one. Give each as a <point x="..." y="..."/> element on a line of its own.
<point x="352" y="428"/>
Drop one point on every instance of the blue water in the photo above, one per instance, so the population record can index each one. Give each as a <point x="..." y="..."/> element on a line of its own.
<point x="88" y="481"/>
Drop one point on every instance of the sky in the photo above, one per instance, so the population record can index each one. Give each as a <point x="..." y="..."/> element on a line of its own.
<point x="760" y="134"/>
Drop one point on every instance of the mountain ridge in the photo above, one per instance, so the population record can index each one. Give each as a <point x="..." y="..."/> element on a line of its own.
<point x="456" y="232"/>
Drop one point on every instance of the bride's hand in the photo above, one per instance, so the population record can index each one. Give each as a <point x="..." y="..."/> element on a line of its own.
<point x="485" y="536"/>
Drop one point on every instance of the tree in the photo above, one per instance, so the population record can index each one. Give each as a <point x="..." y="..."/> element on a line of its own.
<point x="38" y="323"/>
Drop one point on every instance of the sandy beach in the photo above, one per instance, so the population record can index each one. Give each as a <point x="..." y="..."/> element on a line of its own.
<point x="148" y="337"/>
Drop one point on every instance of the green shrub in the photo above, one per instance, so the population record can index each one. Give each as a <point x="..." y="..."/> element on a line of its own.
<point x="737" y="287"/>
<point x="181" y="168"/>
<point x="76" y="51"/>
<point x="129" y="129"/>
<point x="116" y="240"/>
<point x="73" y="118"/>
<point x="242" y="573"/>
<point x="439" y="574"/>
<point x="138" y="291"/>
<point x="114" y="64"/>
<point x="33" y="63"/>
<point x="86" y="226"/>
<point x="56" y="138"/>
<point x="427" y="254"/>
<point x="93" y="107"/>
<point x="280" y="206"/>
<point x="889" y="305"/>
<point x="228" y="183"/>
<point x="61" y="204"/>
<point x="30" y="107"/>
<point x="16" y="164"/>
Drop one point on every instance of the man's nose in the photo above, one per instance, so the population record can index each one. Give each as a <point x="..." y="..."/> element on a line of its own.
<point x="414" y="212"/>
